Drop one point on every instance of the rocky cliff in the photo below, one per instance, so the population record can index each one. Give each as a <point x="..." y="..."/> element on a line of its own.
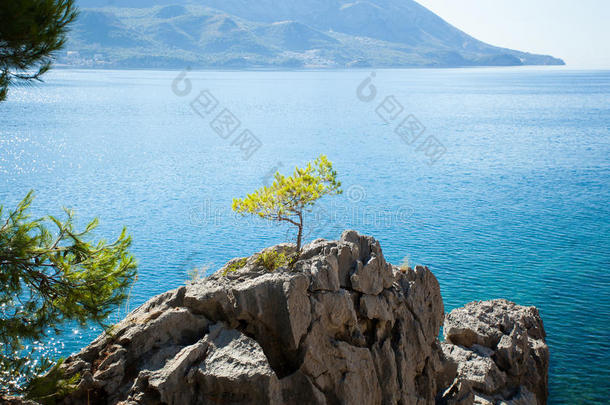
<point x="342" y="326"/>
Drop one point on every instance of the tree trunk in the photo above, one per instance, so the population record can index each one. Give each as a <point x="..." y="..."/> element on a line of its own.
<point x="300" y="235"/>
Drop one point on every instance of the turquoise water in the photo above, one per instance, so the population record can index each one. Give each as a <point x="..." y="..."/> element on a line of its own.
<point x="516" y="207"/>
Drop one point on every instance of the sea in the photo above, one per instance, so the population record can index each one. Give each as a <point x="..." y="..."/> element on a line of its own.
<point x="497" y="179"/>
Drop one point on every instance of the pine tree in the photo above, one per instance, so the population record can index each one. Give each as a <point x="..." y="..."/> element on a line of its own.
<point x="49" y="272"/>
<point x="288" y="198"/>
<point x="49" y="278"/>
<point x="31" y="32"/>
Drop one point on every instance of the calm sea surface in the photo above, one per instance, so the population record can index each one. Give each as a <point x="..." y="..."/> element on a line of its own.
<point x="517" y="206"/>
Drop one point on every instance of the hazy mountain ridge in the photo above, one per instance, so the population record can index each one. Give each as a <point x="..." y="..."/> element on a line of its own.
<point x="276" y="33"/>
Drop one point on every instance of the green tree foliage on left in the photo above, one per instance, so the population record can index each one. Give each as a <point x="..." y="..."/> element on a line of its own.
<point x="47" y="278"/>
<point x="31" y="32"/>
<point x="50" y="274"/>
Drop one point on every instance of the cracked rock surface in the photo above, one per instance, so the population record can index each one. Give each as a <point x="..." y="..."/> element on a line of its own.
<point x="498" y="349"/>
<point x="341" y="327"/>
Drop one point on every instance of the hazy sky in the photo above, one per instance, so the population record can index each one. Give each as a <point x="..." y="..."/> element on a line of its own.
<point x="578" y="31"/>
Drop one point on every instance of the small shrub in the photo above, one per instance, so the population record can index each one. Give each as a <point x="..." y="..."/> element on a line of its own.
<point x="235" y="266"/>
<point x="272" y="260"/>
<point x="51" y="387"/>
<point x="198" y="273"/>
<point x="404" y="265"/>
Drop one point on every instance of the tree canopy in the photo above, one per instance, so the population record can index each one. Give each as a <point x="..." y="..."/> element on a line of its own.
<point x="31" y="32"/>
<point x="48" y="278"/>
<point x="50" y="273"/>
<point x="288" y="198"/>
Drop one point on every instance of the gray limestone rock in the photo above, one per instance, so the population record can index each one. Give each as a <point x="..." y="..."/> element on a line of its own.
<point x="342" y="326"/>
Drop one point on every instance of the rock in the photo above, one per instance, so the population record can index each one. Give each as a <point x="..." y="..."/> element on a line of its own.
<point x="499" y="349"/>
<point x="232" y="367"/>
<point x="485" y="323"/>
<point x="522" y="397"/>
<point x="477" y="368"/>
<point x="342" y="326"/>
<point x="376" y="307"/>
<point x="325" y="274"/>
<point x="458" y="393"/>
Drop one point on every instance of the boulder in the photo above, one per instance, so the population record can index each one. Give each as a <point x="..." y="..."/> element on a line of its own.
<point x="500" y="351"/>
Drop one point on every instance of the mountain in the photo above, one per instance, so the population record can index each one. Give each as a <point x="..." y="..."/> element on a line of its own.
<point x="276" y="33"/>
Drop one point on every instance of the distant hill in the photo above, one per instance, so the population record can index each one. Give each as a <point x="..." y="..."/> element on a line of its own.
<point x="276" y="33"/>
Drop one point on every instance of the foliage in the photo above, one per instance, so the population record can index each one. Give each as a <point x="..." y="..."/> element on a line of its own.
<point x="404" y="265"/>
<point x="233" y="267"/>
<point x="123" y="309"/>
<point x="50" y="278"/>
<point x="47" y="389"/>
<point x="288" y="198"/>
<point x="31" y="32"/>
<point x="198" y="273"/>
<point x="273" y="260"/>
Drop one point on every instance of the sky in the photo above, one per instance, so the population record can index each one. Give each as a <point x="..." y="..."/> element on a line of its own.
<point x="578" y="31"/>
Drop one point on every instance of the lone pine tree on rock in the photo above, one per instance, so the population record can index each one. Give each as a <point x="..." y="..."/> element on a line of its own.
<point x="288" y="198"/>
